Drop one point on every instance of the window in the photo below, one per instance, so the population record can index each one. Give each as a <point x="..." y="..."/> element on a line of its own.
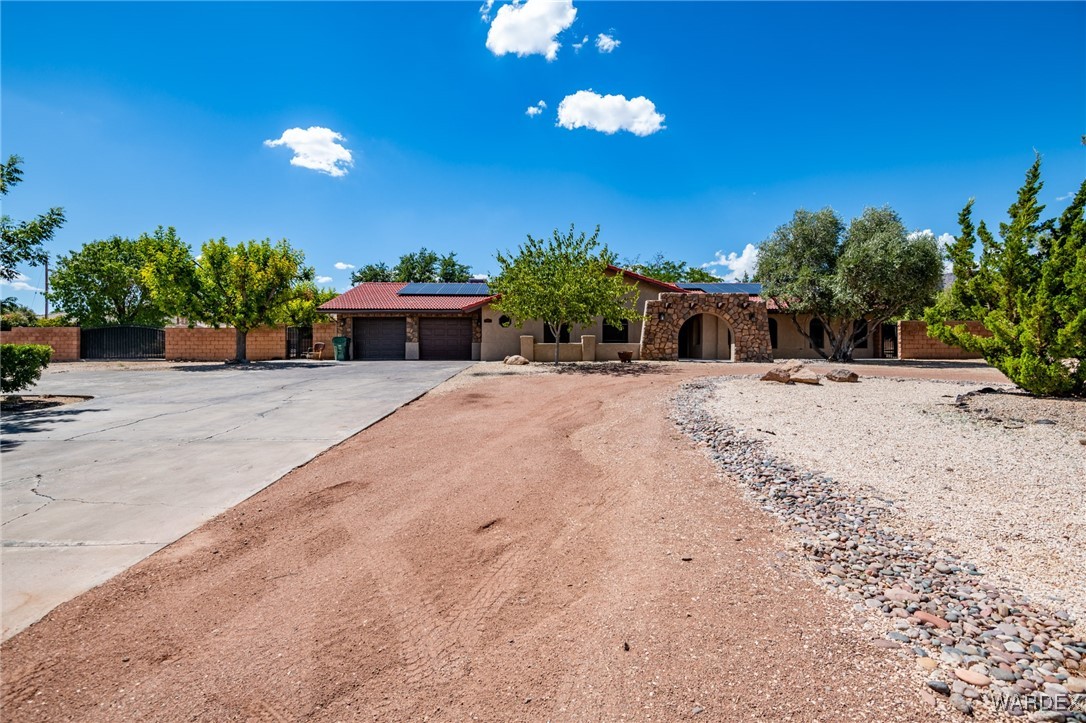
<point x="548" y="336"/>
<point x="859" y="339"/>
<point x="818" y="334"/>
<point x="616" y="334"/>
<point x="773" y="333"/>
<point x="504" y="321"/>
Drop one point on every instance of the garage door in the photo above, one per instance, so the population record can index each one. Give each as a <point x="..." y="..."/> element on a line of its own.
<point x="379" y="338"/>
<point x="442" y="338"/>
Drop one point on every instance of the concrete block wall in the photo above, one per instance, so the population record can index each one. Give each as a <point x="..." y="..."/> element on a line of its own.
<point x="63" y="339"/>
<point x="200" y="344"/>
<point x="913" y="342"/>
<point x="325" y="332"/>
<point x="266" y="343"/>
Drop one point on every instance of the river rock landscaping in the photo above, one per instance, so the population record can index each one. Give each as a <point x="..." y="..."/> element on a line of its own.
<point x="985" y="647"/>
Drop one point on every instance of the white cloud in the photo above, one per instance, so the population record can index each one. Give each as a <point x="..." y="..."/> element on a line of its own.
<point x="735" y="264"/>
<point x="316" y="148"/>
<point x="323" y="279"/>
<point x="484" y="10"/>
<point x="577" y="46"/>
<point x="607" y="43"/>
<point x="343" y="266"/>
<point x="19" y="283"/>
<point x="609" y="113"/>
<point x="1066" y="196"/>
<point x="530" y="27"/>
<point x="534" y="110"/>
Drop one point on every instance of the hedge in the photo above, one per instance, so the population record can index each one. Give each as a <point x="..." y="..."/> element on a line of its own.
<point x="22" y="364"/>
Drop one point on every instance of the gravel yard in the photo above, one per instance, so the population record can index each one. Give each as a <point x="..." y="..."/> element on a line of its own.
<point x="982" y="478"/>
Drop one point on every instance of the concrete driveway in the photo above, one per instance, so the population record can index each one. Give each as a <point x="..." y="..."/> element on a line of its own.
<point x="89" y="489"/>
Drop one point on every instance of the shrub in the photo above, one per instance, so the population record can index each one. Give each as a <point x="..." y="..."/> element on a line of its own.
<point x="22" y="364"/>
<point x="18" y="317"/>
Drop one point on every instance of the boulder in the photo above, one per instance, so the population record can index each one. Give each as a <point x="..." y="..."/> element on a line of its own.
<point x="842" y="375"/>
<point x="516" y="359"/>
<point x="804" y="376"/>
<point x="777" y="374"/>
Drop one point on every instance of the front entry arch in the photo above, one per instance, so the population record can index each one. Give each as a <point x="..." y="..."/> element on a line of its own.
<point x="742" y="318"/>
<point x="706" y="336"/>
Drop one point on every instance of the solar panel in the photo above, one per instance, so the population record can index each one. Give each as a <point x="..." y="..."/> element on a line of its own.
<point x="419" y="288"/>
<point x="724" y="288"/>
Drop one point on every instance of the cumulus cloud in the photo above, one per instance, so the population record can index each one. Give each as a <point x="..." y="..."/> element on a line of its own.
<point x="534" y="110"/>
<point x="530" y="27"/>
<point x="316" y="148"/>
<point x="20" y="283"/>
<point x="609" y="113"/>
<point x="731" y="266"/>
<point x="607" y="43"/>
<point x="343" y="266"/>
<point x="577" y="46"/>
<point x="323" y="279"/>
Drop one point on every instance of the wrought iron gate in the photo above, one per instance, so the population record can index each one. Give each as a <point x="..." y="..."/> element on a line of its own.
<point x="122" y="342"/>
<point x="299" y="341"/>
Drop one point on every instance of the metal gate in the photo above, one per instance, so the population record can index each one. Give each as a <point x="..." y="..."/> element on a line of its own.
<point x="299" y="341"/>
<point x="122" y="342"/>
<point x="889" y="341"/>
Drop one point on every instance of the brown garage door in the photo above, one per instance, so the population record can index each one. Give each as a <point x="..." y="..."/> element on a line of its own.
<point x="379" y="338"/>
<point x="444" y="338"/>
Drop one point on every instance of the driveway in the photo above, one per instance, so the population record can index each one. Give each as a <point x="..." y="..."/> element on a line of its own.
<point x="89" y="489"/>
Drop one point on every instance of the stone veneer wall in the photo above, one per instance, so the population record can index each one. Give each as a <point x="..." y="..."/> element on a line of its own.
<point x="749" y="322"/>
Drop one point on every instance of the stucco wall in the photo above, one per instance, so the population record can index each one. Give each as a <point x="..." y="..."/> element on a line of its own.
<point x="793" y="345"/>
<point x="499" y="342"/>
<point x="63" y="339"/>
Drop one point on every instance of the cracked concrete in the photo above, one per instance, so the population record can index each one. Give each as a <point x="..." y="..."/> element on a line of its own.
<point x="91" y="488"/>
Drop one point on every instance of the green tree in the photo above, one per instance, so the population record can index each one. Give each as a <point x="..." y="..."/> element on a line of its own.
<point x="301" y="308"/>
<point x="9" y="303"/>
<point x="869" y="271"/>
<point x="423" y="265"/>
<point x="562" y="281"/>
<point x="673" y="272"/>
<point x="1028" y="289"/>
<point x="23" y="242"/>
<point x="243" y="286"/>
<point x="372" y="272"/>
<point x="102" y="283"/>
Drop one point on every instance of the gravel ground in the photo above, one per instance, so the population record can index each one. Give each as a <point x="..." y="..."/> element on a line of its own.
<point x="981" y="478"/>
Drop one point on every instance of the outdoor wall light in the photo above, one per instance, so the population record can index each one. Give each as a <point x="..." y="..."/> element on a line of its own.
<point x="661" y="316"/>
<point x="720" y="304"/>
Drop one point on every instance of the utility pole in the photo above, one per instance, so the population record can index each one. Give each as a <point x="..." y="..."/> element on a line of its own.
<point x="46" y="287"/>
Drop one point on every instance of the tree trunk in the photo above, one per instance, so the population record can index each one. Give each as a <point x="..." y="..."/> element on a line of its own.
<point x="805" y="335"/>
<point x="557" y="341"/>
<point x="239" y="346"/>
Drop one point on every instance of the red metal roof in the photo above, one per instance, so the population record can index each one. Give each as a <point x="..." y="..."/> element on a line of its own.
<point x="648" y="280"/>
<point x="383" y="296"/>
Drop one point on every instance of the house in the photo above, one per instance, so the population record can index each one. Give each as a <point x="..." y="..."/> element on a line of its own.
<point x="397" y="320"/>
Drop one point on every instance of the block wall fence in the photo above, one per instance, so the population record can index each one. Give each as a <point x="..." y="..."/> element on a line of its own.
<point x="63" y="339"/>
<point x="913" y="342"/>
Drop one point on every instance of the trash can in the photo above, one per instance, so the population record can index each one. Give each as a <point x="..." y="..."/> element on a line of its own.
<point x="340" y="344"/>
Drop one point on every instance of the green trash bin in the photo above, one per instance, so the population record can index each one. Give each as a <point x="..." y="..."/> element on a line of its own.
<point x="340" y="344"/>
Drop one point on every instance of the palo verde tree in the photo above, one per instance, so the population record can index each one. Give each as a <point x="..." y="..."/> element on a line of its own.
<point x="102" y="283"/>
<point x="243" y="286"/>
<point x="1028" y="289"/>
<point x="562" y="281"/>
<point x="869" y="271"/>
<point x="23" y="242"/>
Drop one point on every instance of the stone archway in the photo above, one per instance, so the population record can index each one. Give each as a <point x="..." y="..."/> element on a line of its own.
<point x="706" y="336"/>
<point x="746" y="318"/>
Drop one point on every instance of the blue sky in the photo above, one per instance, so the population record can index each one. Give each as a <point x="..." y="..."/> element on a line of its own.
<point x="731" y="115"/>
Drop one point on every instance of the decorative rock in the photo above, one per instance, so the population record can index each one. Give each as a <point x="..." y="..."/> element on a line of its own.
<point x="842" y="375"/>
<point x="972" y="678"/>
<point x="1075" y="685"/>
<point x="939" y="687"/>
<point x="931" y="619"/>
<point x="928" y="664"/>
<point x="804" y="376"/>
<point x="516" y="359"/>
<point x="777" y="374"/>
<point x="961" y="704"/>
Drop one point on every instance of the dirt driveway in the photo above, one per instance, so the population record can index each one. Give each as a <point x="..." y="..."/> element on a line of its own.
<point x="527" y="547"/>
